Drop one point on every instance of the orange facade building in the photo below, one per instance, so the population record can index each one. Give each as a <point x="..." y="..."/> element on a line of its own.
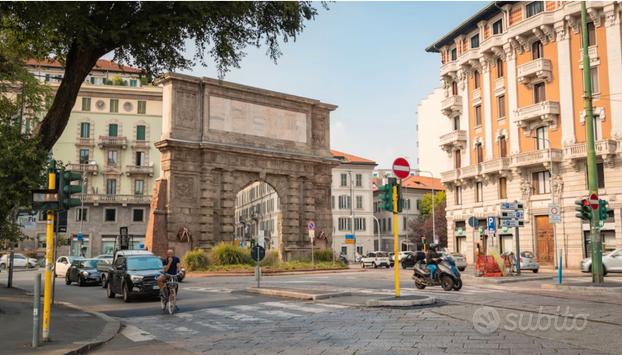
<point x="513" y="84"/>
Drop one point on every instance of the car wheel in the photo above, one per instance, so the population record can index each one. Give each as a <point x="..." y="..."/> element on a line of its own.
<point x="67" y="280"/>
<point x="447" y="283"/>
<point x="109" y="292"/>
<point x="363" y="265"/>
<point x="535" y="271"/>
<point x="604" y="271"/>
<point x="403" y="266"/>
<point x="126" y="293"/>
<point x="103" y="281"/>
<point x="374" y="265"/>
<point x="80" y="282"/>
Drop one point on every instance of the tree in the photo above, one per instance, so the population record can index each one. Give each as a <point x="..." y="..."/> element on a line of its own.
<point x="150" y="35"/>
<point x="425" y="204"/>
<point x="422" y="226"/>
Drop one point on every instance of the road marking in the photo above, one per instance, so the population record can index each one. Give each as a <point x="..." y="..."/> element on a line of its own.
<point x="135" y="334"/>
<point x="234" y="315"/>
<point x="185" y="330"/>
<point x="218" y="326"/>
<point x="207" y="289"/>
<point x="331" y="305"/>
<point x="294" y="307"/>
<point x="276" y="313"/>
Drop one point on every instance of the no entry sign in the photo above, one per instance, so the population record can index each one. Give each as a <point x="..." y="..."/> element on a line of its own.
<point x="401" y="168"/>
<point x="594" y="201"/>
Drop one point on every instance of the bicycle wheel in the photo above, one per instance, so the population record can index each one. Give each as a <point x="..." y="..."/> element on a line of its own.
<point x="172" y="298"/>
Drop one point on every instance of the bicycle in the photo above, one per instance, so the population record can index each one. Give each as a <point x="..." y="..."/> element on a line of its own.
<point x="168" y="299"/>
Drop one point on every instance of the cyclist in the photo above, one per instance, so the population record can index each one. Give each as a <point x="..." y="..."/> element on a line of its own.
<point x="171" y="267"/>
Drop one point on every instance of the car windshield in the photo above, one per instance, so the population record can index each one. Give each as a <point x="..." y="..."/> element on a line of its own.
<point x="382" y="255"/>
<point x="88" y="264"/>
<point x="527" y="254"/>
<point x="143" y="263"/>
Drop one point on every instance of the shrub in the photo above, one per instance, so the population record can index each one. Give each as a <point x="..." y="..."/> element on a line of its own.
<point x="271" y="259"/>
<point x="227" y="254"/>
<point x="323" y="255"/>
<point x="195" y="259"/>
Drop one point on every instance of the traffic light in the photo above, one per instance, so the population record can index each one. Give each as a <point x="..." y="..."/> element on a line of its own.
<point x="603" y="208"/>
<point x="66" y="189"/>
<point x="584" y="209"/>
<point x="400" y="200"/>
<point x="386" y="197"/>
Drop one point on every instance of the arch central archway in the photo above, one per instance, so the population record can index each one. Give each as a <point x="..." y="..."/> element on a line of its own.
<point x="218" y="138"/>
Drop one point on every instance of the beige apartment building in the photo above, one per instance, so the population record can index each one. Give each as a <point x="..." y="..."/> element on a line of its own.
<point x="257" y="212"/>
<point x="513" y="94"/>
<point x="109" y="138"/>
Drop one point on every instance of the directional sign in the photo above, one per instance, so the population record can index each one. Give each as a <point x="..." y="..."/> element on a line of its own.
<point x="594" y="201"/>
<point x="258" y="253"/>
<point x="510" y="223"/>
<point x="512" y="206"/>
<point x="401" y="168"/>
<point x="472" y="222"/>
<point x="554" y="213"/>
<point x="518" y="215"/>
<point x="311" y="225"/>
<point x="80" y="237"/>
<point x="491" y="223"/>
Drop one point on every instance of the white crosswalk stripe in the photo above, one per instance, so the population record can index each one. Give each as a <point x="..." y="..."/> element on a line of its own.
<point x="234" y="315"/>
<point x="295" y="307"/>
<point x="207" y="289"/>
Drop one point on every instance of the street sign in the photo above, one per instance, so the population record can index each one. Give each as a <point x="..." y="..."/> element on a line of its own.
<point x="311" y="226"/>
<point x="350" y="239"/>
<point x="510" y="223"/>
<point x="80" y="237"/>
<point x="512" y="206"/>
<point x="401" y="168"/>
<point x="554" y="213"/>
<point x="519" y="215"/>
<point x="311" y="234"/>
<point x="27" y="220"/>
<point x="258" y="252"/>
<point x="472" y="222"/>
<point x="594" y="201"/>
<point x="491" y="223"/>
<point x="261" y="240"/>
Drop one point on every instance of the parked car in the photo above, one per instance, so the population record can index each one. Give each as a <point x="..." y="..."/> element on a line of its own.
<point x="409" y="260"/>
<point x="83" y="271"/>
<point x="134" y="275"/>
<point x="19" y="260"/>
<point x="63" y="263"/>
<point x="376" y="259"/>
<point x="612" y="262"/>
<point x="459" y="259"/>
<point x="528" y="262"/>
<point x="106" y="257"/>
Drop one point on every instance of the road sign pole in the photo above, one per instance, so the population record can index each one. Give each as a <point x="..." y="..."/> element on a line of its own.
<point x="517" y="254"/>
<point x="396" y="251"/>
<point x="49" y="259"/>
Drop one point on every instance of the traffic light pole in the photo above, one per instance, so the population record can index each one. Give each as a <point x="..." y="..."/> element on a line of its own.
<point x="592" y="174"/>
<point x="49" y="259"/>
<point x="396" y="250"/>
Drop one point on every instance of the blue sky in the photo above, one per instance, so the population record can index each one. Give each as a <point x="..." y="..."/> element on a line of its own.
<point x="369" y="59"/>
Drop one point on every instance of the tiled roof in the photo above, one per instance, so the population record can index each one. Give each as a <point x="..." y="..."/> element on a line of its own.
<point x="102" y="64"/>
<point x="349" y="158"/>
<point x="423" y="182"/>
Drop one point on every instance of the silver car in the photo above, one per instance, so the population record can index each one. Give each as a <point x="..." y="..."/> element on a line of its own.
<point x="459" y="259"/>
<point x="612" y="262"/>
<point x="528" y="261"/>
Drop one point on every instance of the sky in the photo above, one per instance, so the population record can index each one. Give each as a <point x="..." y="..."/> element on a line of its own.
<point x="369" y="59"/>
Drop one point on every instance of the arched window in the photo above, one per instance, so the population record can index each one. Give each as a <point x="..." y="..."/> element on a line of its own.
<point x="499" y="68"/>
<point x="454" y="88"/>
<point x="537" y="50"/>
<point x="476" y="79"/>
<point x="479" y="152"/>
<point x="541" y="139"/>
<point x="503" y="147"/>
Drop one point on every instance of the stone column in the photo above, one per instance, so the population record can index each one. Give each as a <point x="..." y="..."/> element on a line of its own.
<point x="511" y="93"/>
<point x="227" y="207"/>
<point x="208" y="191"/>
<point x="291" y="227"/>
<point x="614" y="58"/>
<point x="565" y="82"/>
<point x="487" y="100"/>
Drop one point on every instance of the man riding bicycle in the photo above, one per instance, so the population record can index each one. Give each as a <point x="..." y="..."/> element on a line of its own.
<point x="172" y="265"/>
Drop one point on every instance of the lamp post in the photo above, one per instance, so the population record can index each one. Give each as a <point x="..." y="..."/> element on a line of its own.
<point x="433" y="205"/>
<point x="378" y="232"/>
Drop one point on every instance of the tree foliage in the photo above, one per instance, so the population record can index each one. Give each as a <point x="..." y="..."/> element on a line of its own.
<point x="425" y="204"/>
<point x="421" y="227"/>
<point x="150" y="35"/>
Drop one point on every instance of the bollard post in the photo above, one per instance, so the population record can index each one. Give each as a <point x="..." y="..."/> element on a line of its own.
<point x="559" y="270"/>
<point x="36" y="310"/>
<point x="9" y="282"/>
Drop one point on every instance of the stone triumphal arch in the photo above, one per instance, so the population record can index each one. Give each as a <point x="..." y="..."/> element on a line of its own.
<point x="218" y="137"/>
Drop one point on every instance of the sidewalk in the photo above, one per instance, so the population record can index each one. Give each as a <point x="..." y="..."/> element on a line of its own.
<point x="71" y="330"/>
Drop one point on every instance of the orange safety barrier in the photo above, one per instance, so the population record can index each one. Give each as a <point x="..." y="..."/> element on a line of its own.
<point x="486" y="266"/>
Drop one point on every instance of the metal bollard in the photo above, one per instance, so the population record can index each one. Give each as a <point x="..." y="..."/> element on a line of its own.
<point x="9" y="283"/>
<point x="559" y="270"/>
<point x="36" y="310"/>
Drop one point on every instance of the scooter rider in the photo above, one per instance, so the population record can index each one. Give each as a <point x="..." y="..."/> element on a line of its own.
<point x="432" y="258"/>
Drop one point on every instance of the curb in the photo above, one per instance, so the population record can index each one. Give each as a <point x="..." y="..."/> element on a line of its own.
<point x="505" y="280"/>
<point x="594" y="290"/>
<point x="401" y="302"/>
<point x="300" y="295"/>
<point x="269" y="273"/>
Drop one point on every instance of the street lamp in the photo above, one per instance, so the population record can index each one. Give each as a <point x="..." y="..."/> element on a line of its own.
<point x="378" y="232"/>
<point x="433" y="205"/>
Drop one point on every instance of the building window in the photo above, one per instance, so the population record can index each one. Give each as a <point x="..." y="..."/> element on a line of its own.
<point x="537" y="51"/>
<point x="111" y="186"/>
<point x="86" y="104"/>
<point x="85" y="130"/>
<point x="458" y="195"/>
<point x="475" y="41"/>
<point x="594" y="80"/>
<point x="503" y="188"/>
<point x="344" y="179"/>
<point x="344" y="202"/>
<point x="457" y="162"/>
<point x="139" y="187"/>
<point x="501" y="106"/>
<point x="110" y="215"/>
<point x="534" y="8"/>
<point x="113" y="130"/>
<point x="112" y="157"/>
<point x="456" y="123"/>
<point x="332" y="202"/>
<point x="591" y="35"/>
<point x="454" y="88"/>
<point x="133" y="83"/>
<point x="344" y="223"/>
<point x="454" y="54"/>
<point x="479" y="152"/>
<point x="138" y="215"/>
<point x="600" y="170"/>
<point x="81" y="214"/>
<point x="389" y="224"/>
<point x="479" y="192"/>
<point x="359" y="180"/>
<point x="359" y="224"/>
<point x="497" y="27"/>
<point x="142" y="107"/>
<point x="359" y="202"/>
<point x="84" y="156"/>
<point x="114" y="105"/>
<point x="503" y="147"/>
<point x="541" y="182"/>
<point x="140" y="133"/>
<point x="476" y="79"/>
<point x="499" y="68"/>
<point x="478" y="115"/>
<point x="140" y="159"/>
<point x="418" y="205"/>
<point x="541" y="140"/>
<point x="407" y="204"/>
<point x="539" y="94"/>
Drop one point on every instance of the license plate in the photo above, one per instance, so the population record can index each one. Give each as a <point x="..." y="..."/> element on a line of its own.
<point x="155" y="287"/>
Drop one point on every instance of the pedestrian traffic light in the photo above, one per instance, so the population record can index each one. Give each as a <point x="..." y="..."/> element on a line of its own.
<point x="584" y="209"/>
<point x="67" y="189"/>
<point x="603" y="209"/>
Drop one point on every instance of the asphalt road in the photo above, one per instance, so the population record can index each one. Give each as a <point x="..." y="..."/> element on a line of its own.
<point x="218" y="316"/>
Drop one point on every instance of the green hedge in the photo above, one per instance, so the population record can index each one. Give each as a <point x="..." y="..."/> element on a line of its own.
<point x="227" y="254"/>
<point x="196" y="260"/>
<point x="323" y="255"/>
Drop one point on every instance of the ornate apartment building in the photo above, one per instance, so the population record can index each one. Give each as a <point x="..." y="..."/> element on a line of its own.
<point x="257" y="210"/>
<point x="513" y="85"/>
<point x="109" y="138"/>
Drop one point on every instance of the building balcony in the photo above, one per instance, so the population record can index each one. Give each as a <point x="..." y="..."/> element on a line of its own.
<point x="470" y="57"/>
<point x="450" y="176"/>
<point x="85" y="142"/>
<point x="606" y="149"/>
<point x="449" y="68"/>
<point x="470" y="171"/>
<point x="537" y="157"/>
<point x="452" y="105"/>
<point x="536" y="114"/>
<point x="453" y="140"/>
<point x="141" y="144"/>
<point x="112" y="142"/>
<point x="535" y="71"/>
<point x="496" y="166"/>
<point x="139" y="170"/>
<point x="91" y="168"/>
<point x="123" y="199"/>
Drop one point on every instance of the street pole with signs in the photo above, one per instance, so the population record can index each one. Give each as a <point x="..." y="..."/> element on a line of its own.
<point x="513" y="215"/>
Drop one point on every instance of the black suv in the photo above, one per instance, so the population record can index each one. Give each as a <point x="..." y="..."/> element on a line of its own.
<point x="134" y="275"/>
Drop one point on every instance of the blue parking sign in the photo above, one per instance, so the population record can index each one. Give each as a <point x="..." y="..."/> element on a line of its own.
<point x="491" y="222"/>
